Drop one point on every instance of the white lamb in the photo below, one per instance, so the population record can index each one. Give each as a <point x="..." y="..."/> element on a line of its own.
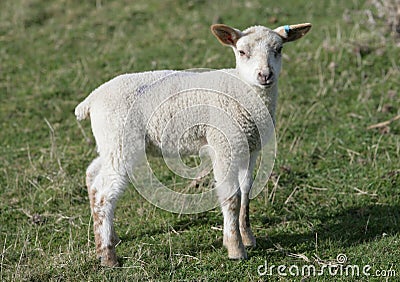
<point x="116" y="126"/>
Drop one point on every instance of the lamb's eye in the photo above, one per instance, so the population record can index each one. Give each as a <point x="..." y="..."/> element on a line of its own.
<point x="242" y="53"/>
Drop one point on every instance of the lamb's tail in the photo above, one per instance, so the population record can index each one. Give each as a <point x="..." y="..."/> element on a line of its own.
<point x="82" y="111"/>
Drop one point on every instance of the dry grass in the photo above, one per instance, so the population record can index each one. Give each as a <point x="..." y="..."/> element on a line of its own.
<point x="389" y="11"/>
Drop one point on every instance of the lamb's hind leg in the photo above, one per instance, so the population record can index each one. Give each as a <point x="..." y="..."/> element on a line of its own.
<point x="246" y="181"/>
<point x="105" y="190"/>
<point x="91" y="173"/>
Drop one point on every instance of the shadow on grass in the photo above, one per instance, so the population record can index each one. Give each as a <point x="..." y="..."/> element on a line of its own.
<point x="348" y="228"/>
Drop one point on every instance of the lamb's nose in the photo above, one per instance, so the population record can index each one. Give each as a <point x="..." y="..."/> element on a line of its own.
<point x="265" y="77"/>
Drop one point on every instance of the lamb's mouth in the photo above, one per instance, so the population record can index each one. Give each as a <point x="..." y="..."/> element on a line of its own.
<point x="267" y="84"/>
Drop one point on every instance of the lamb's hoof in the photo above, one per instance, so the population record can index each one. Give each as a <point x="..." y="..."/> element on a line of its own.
<point x="109" y="257"/>
<point x="108" y="262"/>
<point x="235" y="248"/>
<point x="248" y="239"/>
<point x="237" y="254"/>
<point x="250" y="243"/>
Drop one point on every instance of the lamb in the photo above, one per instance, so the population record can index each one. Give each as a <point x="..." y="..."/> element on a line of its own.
<point x="132" y="112"/>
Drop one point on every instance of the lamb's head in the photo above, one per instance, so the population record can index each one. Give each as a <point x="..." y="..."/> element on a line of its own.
<point x="258" y="50"/>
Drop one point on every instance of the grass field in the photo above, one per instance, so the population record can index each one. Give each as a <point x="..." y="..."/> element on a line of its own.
<point x="335" y="186"/>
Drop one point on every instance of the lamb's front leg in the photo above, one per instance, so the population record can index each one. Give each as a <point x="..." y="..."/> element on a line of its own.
<point x="225" y="168"/>
<point x="229" y="196"/>
<point x="232" y="238"/>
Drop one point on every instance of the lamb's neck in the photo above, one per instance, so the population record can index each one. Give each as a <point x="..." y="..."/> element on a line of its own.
<point x="269" y="96"/>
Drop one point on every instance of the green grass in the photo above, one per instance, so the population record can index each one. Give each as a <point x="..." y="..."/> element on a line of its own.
<point x="335" y="188"/>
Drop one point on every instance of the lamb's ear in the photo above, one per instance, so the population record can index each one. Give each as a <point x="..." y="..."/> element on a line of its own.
<point x="225" y="34"/>
<point x="293" y="32"/>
